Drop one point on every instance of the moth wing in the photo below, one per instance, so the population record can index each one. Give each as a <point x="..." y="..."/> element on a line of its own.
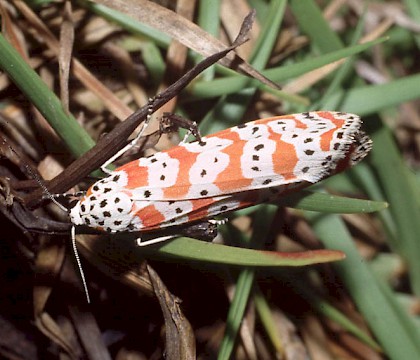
<point x="275" y="152"/>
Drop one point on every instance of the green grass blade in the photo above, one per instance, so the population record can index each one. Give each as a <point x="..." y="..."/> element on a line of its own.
<point x="209" y="20"/>
<point x="236" y="312"/>
<point x="330" y="312"/>
<point x="195" y="250"/>
<point x="387" y="320"/>
<point x="313" y="24"/>
<point x="244" y="282"/>
<point x="327" y="203"/>
<point x="267" y="320"/>
<point x="402" y="194"/>
<point x="369" y="99"/>
<point x="413" y="7"/>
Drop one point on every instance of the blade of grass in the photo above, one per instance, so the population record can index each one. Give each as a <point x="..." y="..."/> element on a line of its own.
<point x="312" y="22"/>
<point x="369" y="99"/>
<point x="244" y="282"/>
<point x="195" y="250"/>
<point x="327" y="203"/>
<point x="343" y="71"/>
<point x="413" y="7"/>
<point x="209" y="21"/>
<point x="267" y="320"/>
<point x="364" y="175"/>
<point x="388" y="321"/>
<point x="330" y="312"/>
<point x="323" y="202"/>
<point x="236" y="312"/>
<point x="399" y="187"/>
<point x="154" y="62"/>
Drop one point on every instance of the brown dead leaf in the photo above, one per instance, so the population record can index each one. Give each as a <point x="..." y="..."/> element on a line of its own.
<point x="184" y="31"/>
<point x="180" y="342"/>
<point x="46" y="324"/>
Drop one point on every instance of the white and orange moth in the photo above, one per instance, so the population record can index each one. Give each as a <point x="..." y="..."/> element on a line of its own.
<point x="252" y="163"/>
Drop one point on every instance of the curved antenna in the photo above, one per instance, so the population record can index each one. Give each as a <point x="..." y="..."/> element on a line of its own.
<point x="47" y="192"/>
<point x="79" y="263"/>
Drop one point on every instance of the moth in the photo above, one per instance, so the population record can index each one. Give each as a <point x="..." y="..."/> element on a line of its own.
<point x="259" y="161"/>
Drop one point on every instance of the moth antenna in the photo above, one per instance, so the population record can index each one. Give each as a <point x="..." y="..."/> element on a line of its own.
<point x="47" y="192"/>
<point x="79" y="263"/>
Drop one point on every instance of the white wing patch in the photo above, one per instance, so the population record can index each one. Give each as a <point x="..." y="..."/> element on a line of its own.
<point x="162" y="169"/>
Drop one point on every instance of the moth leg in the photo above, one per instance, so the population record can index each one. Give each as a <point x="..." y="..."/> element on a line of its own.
<point x="205" y="230"/>
<point x="132" y="143"/>
<point x="76" y="194"/>
<point x="218" y="222"/>
<point x="172" y="122"/>
<point x="140" y="242"/>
